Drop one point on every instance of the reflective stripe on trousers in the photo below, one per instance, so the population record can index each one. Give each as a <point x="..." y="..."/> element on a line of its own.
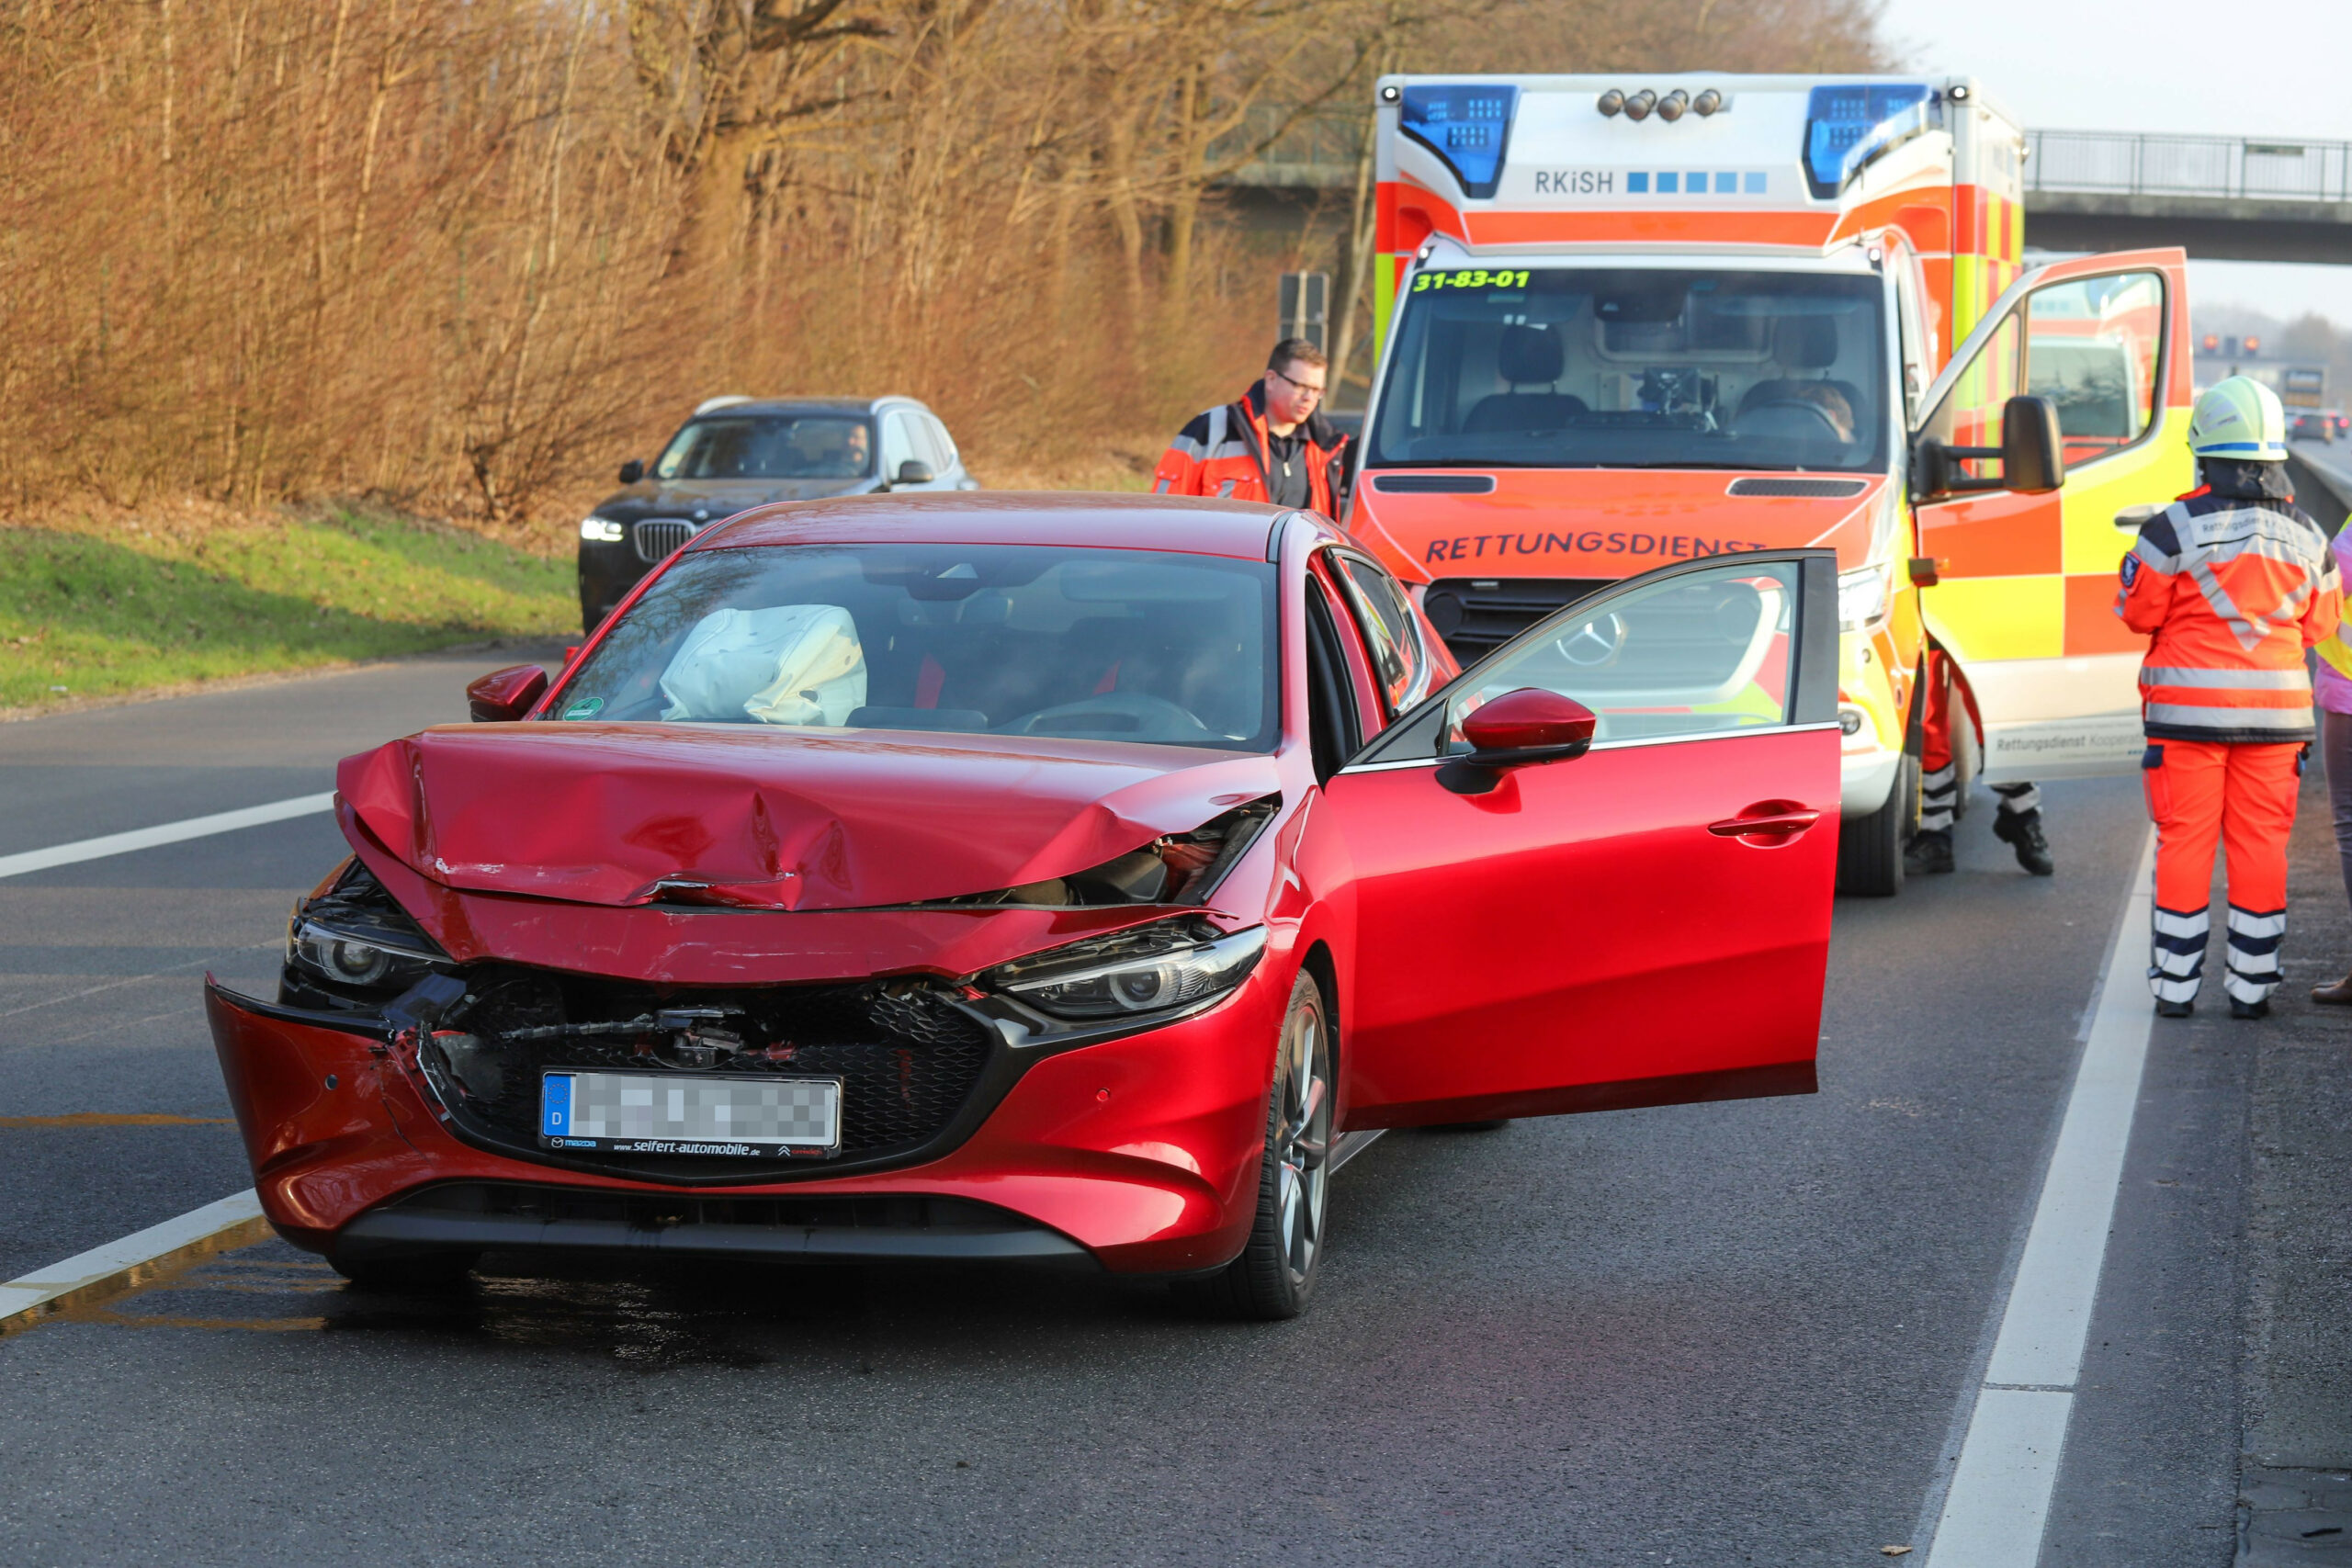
<point x="1940" y="794"/>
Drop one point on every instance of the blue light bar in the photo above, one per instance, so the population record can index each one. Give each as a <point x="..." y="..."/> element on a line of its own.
<point x="1846" y="127"/>
<point x="1468" y="127"/>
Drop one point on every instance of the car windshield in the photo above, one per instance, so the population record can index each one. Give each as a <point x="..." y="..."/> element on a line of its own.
<point x="1592" y="367"/>
<point x="769" y="447"/>
<point x="995" y="640"/>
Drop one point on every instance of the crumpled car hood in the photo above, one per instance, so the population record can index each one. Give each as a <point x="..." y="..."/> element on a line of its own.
<point x="625" y="815"/>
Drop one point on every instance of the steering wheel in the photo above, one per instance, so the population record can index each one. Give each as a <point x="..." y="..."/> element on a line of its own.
<point x="1154" y="719"/>
<point x="1812" y="423"/>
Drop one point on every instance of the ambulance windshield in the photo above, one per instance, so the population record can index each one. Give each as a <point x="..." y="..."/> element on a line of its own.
<point x="1559" y="368"/>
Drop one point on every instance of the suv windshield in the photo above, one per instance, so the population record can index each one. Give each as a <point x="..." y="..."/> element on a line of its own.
<point x="997" y="639"/>
<point x="1562" y="368"/>
<point x="769" y="447"/>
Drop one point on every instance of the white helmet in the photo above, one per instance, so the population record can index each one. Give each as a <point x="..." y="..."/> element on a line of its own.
<point x="2239" y="417"/>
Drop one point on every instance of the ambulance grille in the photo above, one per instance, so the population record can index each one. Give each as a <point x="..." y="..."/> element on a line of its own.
<point x="1476" y="615"/>
<point x="1827" y="489"/>
<point x="657" y="536"/>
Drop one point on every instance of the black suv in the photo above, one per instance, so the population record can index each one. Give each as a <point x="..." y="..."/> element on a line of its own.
<point x="736" y="453"/>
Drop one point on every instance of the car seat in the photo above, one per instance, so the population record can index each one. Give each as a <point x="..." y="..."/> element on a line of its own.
<point x="1802" y="342"/>
<point x="1526" y="355"/>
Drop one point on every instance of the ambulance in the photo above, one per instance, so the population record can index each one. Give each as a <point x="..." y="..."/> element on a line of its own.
<point x="1630" y="319"/>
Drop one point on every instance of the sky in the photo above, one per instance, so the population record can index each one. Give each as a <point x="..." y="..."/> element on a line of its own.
<point x="2146" y="66"/>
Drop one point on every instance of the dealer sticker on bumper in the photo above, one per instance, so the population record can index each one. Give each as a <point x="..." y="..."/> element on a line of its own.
<point x="632" y="1113"/>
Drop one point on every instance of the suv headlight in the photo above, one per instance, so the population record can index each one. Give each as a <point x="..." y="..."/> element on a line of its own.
<point x="1863" y="596"/>
<point x="1162" y="967"/>
<point x="602" y="530"/>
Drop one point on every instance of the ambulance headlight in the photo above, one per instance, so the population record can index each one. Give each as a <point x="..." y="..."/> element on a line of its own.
<point x="1863" y="596"/>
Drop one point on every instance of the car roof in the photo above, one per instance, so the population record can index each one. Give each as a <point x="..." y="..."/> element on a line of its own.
<point x="807" y="405"/>
<point x="1188" y="524"/>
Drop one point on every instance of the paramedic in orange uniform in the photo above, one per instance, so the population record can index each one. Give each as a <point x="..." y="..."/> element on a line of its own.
<point x="2231" y="584"/>
<point x="2017" y="821"/>
<point x="1272" y="446"/>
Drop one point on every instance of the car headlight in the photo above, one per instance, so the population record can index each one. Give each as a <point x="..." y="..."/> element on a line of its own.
<point x="1157" y="969"/>
<point x="353" y="945"/>
<point x="363" y="960"/>
<point x="1862" y="596"/>
<point x="602" y="530"/>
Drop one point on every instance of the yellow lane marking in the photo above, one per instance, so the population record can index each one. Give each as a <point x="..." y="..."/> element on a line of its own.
<point x="125" y="1119"/>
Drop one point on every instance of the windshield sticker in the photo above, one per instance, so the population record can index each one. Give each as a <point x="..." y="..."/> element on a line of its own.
<point x="1477" y="277"/>
<point x="586" y="707"/>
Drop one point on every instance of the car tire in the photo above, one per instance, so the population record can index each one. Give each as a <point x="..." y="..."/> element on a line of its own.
<point x="1870" y="849"/>
<point x="1274" y="1276"/>
<point x="410" y="1274"/>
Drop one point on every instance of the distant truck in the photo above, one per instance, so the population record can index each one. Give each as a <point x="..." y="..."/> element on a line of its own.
<point x="1633" y="319"/>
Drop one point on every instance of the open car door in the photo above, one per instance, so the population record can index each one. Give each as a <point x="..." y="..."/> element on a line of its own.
<point x="2024" y="597"/>
<point x="1641" y="923"/>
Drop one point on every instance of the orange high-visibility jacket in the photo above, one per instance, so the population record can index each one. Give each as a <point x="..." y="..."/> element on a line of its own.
<point x="1223" y="453"/>
<point x="2230" y="589"/>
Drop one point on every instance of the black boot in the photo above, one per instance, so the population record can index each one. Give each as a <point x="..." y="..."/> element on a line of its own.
<point x="2174" y="1009"/>
<point x="1928" y="851"/>
<point x="2249" y="1010"/>
<point x="2021" y="830"/>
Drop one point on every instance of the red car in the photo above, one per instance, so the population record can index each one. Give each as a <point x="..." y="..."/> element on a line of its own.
<point x="1076" y="879"/>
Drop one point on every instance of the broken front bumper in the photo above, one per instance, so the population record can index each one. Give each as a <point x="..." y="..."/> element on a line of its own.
<point x="1141" y="1151"/>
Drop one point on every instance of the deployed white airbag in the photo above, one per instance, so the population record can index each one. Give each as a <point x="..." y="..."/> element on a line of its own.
<point x="790" y="664"/>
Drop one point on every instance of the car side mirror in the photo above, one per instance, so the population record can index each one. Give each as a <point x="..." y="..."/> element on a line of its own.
<point x="504" y="696"/>
<point x="632" y="471"/>
<point x="915" y="471"/>
<point x="1530" y="725"/>
<point x="2033" y="459"/>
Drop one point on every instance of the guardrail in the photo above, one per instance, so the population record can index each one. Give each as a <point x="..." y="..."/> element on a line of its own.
<point x="2131" y="163"/>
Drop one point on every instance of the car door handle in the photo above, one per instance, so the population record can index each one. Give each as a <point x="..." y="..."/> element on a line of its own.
<point x="1773" y="819"/>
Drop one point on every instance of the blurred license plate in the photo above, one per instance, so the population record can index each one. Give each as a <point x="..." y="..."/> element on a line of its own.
<point x="673" y="1114"/>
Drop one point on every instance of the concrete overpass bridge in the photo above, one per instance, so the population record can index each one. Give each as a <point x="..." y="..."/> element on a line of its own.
<point x="2220" y="198"/>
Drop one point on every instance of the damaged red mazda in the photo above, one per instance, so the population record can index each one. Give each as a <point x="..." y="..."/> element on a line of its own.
<point x="1071" y="879"/>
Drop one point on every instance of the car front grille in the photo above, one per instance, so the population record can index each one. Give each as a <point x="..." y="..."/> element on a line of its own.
<point x="657" y="536"/>
<point x="1476" y="615"/>
<point x="908" y="1058"/>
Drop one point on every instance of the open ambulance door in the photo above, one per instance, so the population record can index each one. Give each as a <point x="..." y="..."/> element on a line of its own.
<point x="2023" y="584"/>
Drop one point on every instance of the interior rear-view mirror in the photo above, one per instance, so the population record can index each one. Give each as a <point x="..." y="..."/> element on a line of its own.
<point x="1530" y="725"/>
<point x="632" y="470"/>
<point x="503" y="696"/>
<point x="915" y="471"/>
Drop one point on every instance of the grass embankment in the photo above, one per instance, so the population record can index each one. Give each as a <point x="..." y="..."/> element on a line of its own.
<point x="98" y="608"/>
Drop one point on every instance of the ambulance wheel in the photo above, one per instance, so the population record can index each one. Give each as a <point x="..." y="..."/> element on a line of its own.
<point x="1870" y="849"/>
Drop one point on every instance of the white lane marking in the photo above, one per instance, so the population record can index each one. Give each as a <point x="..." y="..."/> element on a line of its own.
<point x="234" y="1220"/>
<point x="2000" y="1500"/>
<point x="166" y="833"/>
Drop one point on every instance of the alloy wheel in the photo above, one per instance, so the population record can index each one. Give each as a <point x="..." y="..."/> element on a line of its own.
<point x="1303" y="1133"/>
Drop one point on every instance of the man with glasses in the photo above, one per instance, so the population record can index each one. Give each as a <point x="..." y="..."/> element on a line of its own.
<point x="1273" y="445"/>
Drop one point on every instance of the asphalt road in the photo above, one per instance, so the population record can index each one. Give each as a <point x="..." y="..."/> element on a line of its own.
<point x="1728" y="1334"/>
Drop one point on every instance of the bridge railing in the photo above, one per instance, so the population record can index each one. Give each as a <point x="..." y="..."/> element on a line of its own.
<point x="2129" y="163"/>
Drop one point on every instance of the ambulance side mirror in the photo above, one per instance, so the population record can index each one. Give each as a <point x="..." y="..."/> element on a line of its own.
<point x="2033" y="461"/>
